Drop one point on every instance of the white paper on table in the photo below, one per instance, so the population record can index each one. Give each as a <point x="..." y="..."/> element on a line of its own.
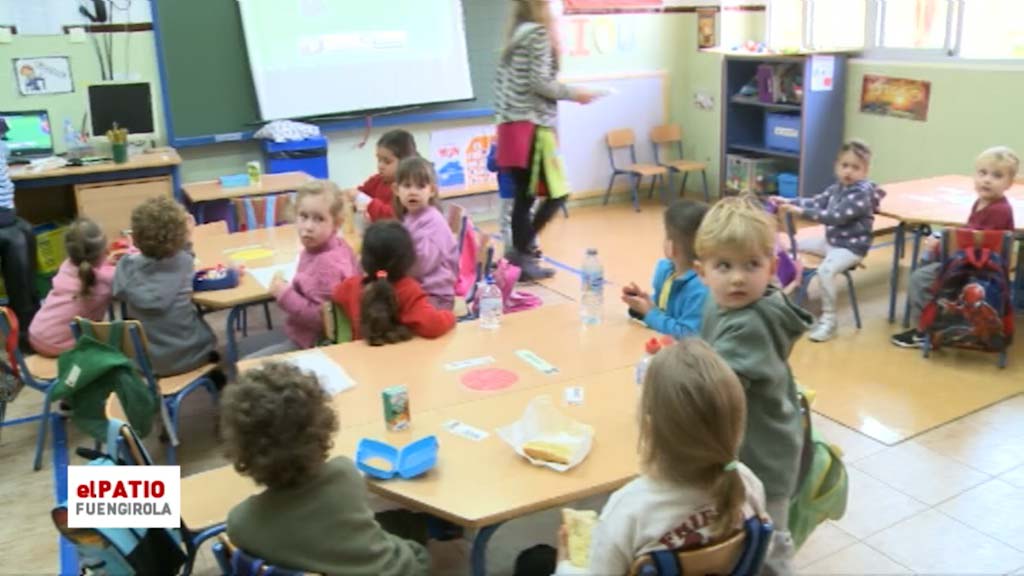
<point x="542" y="421"/>
<point x="265" y="274"/>
<point x="333" y="378"/>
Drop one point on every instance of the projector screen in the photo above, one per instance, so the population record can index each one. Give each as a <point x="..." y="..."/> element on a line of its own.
<point x="320" y="57"/>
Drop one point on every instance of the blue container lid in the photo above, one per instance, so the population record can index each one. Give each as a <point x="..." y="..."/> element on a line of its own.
<point x="408" y="462"/>
<point x="234" y="180"/>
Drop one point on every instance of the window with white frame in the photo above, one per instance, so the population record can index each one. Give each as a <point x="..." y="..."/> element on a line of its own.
<point x="977" y="29"/>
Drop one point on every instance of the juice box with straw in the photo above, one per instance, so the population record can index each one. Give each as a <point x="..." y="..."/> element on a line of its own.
<point x="396" y="408"/>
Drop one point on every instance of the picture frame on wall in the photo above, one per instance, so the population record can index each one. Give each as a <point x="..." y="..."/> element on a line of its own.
<point x="45" y="75"/>
<point x="706" y="37"/>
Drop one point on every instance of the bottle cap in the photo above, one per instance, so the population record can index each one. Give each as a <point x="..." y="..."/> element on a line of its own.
<point x="667" y="341"/>
<point x="591" y="251"/>
<point x="652" y="346"/>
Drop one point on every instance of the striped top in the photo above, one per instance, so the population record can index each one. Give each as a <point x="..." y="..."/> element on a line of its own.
<point x="6" y="186"/>
<point x="526" y="87"/>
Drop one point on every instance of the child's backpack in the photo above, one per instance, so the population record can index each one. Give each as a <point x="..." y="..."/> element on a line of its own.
<point x="971" y="306"/>
<point x="506" y="275"/>
<point x="92" y="370"/>
<point x="124" y="551"/>
<point x="823" y="486"/>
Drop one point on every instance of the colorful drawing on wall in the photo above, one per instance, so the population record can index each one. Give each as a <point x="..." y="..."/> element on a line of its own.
<point x="898" y="97"/>
<point x="460" y="156"/>
<point x="51" y="75"/>
<point x="706" y="29"/>
<point x="602" y="5"/>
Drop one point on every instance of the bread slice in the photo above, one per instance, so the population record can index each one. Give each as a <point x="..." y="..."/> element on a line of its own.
<point x="579" y="525"/>
<point x="547" y="451"/>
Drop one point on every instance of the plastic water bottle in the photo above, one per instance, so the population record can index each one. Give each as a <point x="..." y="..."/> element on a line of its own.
<point x="591" y="289"/>
<point x="490" y="304"/>
<point x="650" y="349"/>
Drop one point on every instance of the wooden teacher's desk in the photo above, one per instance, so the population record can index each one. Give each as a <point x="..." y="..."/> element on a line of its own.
<point x="940" y="201"/>
<point x="106" y="192"/>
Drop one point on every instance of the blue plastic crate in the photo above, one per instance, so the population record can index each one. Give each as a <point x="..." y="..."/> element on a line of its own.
<point x="309" y="156"/>
<point x="782" y="132"/>
<point x="789" y="184"/>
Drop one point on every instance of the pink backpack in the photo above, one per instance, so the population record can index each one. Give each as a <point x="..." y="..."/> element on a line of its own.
<point x="505" y="277"/>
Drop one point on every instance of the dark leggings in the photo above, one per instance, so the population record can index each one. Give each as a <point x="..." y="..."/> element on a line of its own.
<point x="18" y="261"/>
<point x="523" y="230"/>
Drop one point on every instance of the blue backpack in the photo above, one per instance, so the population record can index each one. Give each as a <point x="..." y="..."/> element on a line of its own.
<point x="124" y="551"/>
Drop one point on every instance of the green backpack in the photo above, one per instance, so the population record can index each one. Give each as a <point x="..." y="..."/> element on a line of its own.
<point x="88" y="373"/>
<point x="823" y="487"/>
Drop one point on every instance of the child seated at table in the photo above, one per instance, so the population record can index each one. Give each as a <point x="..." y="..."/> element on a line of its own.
<point x="678" y="301"/>
<point x="387" y="305"/>
<point x="313" y="514"/>
<point x="437" y="255"/>
<point x="375" y="196"/>
<point x="994" y="171"/>
<point x="82" y="287"/>
<point x="692" y="490"/>
<point x="325" y="260"/>
<point x="156" y="286"/>
<point x="847" y="209"/>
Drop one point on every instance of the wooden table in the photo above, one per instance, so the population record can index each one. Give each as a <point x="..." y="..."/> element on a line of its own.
<point x="106" y="192"/>
<point x="200" y="193"/>
<point x="475" y="484"/>
<point x="941" y="201"/>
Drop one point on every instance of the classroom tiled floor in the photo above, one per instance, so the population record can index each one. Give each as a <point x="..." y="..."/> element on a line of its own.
<point x="948" y="501"/>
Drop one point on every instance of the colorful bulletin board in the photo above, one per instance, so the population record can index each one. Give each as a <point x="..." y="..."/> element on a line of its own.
<point x="460" y="157"/>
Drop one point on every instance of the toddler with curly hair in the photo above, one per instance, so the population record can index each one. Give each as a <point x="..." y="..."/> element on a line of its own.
<point x="314" y="514"/>
<point x="156" y="284"/>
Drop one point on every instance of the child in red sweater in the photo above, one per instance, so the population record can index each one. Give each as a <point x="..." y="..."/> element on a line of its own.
<point x="374" y="196"/>
<point x="387" y="305"/>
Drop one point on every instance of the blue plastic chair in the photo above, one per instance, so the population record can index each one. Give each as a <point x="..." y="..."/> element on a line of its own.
<point x="741" y="555"/>
<point x="172" y="390"/>
<point x="235" y="562"/>
<point x="810" y="272"/>
<point x="38" y="373"/>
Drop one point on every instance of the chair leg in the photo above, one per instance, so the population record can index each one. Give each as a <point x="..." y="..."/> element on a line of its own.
<point x="245" y="322"/>
<point x="1002" y="359"/>
<point x="634" y="184"/>
<point x="682" y="188"/>
<point x="853" y="298"/>
<point x="43" y="426"/>
<point x="704" y="179"/>
<point x="565" y="209"/>
<point x="650" y="191"/>
<point x="608" y="192"/>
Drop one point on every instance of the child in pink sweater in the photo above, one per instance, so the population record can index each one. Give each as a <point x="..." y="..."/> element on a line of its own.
<point x="325" y="261"/>
<point x="82" y="287"/>
<point x="437" y="255"/>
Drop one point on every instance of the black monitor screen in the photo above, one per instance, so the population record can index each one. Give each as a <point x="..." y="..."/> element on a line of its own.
<point x="129" y="105"/>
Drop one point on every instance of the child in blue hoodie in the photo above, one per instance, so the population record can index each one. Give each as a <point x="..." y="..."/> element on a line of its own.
<point x="678" y="300"/>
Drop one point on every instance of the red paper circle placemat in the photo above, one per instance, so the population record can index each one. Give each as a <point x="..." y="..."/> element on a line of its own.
<point x="489" y="379"/>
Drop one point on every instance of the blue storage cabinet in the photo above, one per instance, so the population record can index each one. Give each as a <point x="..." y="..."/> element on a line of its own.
<point x="802" y="137"/>
<point x="309" y="156"/>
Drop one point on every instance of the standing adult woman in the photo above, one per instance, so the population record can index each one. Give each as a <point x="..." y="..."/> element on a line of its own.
<point x="527" y="92"/>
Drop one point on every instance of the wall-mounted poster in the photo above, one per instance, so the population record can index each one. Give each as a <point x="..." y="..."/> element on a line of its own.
<point x="576" y="6"/>
<point x="899" y="97"/>
<point x="706" y="29"/>
<point x="460" y="157"/>
<point x="50" y="75"/>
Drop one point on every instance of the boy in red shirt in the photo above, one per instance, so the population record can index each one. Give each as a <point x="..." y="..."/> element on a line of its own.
<point x="994" y="172"/>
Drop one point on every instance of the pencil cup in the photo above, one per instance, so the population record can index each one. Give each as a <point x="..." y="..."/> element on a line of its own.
<point x="119" y="152"/>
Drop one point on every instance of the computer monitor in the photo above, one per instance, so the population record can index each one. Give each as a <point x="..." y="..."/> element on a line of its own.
<point x="129" y="105"/>
<point x="28" y="133"/>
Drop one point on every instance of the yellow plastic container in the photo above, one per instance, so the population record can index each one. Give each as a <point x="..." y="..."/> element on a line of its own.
<point x="50" y="249"/>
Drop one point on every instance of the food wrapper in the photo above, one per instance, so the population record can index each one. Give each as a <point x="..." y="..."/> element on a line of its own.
<point x="542" y="421"/>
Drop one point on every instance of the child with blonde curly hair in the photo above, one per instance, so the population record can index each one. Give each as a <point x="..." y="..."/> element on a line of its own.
<point x="156" y="285"/>
<point x="314" y="514"/>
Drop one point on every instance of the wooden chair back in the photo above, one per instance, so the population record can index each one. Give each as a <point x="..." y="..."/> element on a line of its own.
<point x="621" y="138"/>
<point x="234" y="561"/>
<point x="718" y="558"/>
<point x="666" y="134"/>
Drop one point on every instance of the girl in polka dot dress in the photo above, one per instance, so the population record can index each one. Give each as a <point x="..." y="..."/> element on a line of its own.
<point x="847" y="209"/>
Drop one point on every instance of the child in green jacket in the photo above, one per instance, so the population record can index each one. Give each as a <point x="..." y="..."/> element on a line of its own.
<point x="753" y="326"/>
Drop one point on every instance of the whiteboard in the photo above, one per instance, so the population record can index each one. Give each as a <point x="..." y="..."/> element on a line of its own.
<point x="638" y="101"/>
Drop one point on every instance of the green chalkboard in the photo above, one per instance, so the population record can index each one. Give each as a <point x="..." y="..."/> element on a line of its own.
<point x="208" y="85"/>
